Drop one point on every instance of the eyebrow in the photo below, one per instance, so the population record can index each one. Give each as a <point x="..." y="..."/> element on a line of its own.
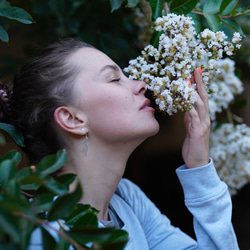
<point x="110" y="67"/>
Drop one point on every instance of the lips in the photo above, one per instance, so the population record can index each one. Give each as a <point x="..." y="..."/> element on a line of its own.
<point x="146" y="106"/>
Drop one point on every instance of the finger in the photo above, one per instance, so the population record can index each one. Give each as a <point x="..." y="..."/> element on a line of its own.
<point x="191" y="120"/>
<point x="202" y="114"/>
<point x="201" y="88"/>
<point x="187" y="120"/>
<point x="201" y="103"/>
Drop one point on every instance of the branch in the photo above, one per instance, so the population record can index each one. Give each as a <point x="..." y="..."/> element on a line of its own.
<point x="27" y="194"/>
<point x="166" y="7"/>
<point x="221" y="16"/>
<point x="60" y="233"/>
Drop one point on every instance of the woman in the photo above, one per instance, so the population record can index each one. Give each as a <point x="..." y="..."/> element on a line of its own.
<point x="75" y="97"/>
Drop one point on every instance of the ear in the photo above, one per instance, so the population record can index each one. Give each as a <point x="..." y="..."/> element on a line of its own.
<point x="71" y="121"/>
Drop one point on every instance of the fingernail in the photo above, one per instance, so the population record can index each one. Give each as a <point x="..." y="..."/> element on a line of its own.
<point x="200" y="71"/>
<point x="189" y="83"/>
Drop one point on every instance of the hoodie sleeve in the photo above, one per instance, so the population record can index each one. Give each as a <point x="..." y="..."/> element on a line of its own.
<point x="209" y="201"/>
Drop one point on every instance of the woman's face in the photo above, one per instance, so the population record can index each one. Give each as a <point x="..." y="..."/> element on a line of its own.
<point x="115" y="106"/>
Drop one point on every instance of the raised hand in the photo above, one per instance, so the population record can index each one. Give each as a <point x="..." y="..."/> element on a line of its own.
<point x="195" y="149"/>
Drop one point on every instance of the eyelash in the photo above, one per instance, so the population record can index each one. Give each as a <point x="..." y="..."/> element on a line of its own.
<point x="116" y="80"/>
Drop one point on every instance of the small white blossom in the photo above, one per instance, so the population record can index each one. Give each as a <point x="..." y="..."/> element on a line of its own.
<point x="179" y="52"/>
<point x="230" y="150"/>
<point x="224" y="86"/>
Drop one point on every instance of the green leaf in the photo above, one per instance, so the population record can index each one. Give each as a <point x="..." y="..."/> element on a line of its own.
<point x="54" y="187"/>
<point x="182" y="6"/>
<point x="12" y="155"/>
<point x="42" y="183"/>
<point x="23" y="173"/>
<point x="4" y="3"/>
<point x="43" y="202"/>
<point x="233" y="25"/>
<point x="66" y="179"/>
<point x="79" y="211"/>
<point x="16" y="135"/>
<point x="32" y="186"/>
<point x="214" y="21"/>
<point x="117" y="240"/>
<point x="48" y="241"/>
<point x="13" y="189"/>
<point x="132" y="3"/>
<point x="83" y="236"/>
<point x="8" y="246"/>
<point x="155" y="38"/>
<point x="85" y="221"/>
<point x="31" y="179"/>
<point x="157" y="7"/>
<point x="52" y="163"/>
<point x="237" y="11"/>
<point x="212" y="6"/>
<point x="8" y="224"/>
<point x="7" y="171"/>
<point x="64" y="205"/>
<point x="227" y="6"/>
<point x="4" y="35"/>
<point x="108" y="238"/>
<point x="16" y="14"/>
<point x="246" y="12"/>
<point x="241" y="11"/>
<point x="119" y="235"/>
<point x="12" y="205"/>
<point x="62" y="245"/>
<point x="116" y="4"/>
<point x="26" y="229"/>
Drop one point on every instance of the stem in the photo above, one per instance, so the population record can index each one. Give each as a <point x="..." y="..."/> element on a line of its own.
<point x="60" y="233"/>
<point x="166" y="7"/>
<point x="27" y="194"/>
<point x="238" y="15"/>
<point x="229" y="115"/>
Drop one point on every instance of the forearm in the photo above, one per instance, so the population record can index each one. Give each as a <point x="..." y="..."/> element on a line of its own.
<point x="208" y="200"/>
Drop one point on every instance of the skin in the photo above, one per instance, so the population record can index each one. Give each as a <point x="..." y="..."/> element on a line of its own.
<point x="195" y="149"/>
<point x="117" y="118"/>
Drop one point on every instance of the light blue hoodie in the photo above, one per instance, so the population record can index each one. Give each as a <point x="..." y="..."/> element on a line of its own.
<point x="206" y="197"/>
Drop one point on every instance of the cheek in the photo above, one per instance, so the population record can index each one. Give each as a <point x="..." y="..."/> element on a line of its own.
<point x="110" y="105"/>
<point x="110" y="113"/>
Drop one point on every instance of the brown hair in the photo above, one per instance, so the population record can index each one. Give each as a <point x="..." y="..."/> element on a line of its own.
<point x="41" y="86"/>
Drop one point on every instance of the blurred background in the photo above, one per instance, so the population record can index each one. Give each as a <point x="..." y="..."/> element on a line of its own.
<point x="118" y="34"/>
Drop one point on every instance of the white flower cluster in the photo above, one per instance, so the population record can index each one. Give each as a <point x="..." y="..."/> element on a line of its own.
<point x="224" y="86"/>
<point x="230" y="150"/>
<point x="167" y="68"/>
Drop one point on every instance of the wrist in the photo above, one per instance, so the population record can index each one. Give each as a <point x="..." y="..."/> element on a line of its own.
<point x="196" y="164"/>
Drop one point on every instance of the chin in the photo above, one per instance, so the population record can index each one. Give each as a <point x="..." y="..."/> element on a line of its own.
<point x="154" y="130"/>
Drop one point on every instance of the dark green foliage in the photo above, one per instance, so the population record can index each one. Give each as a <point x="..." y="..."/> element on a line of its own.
<point x="214" y="11"/>
<point x="13" y="132"/>
<point x="13" y="13"/>
<point x="30" y="198"/>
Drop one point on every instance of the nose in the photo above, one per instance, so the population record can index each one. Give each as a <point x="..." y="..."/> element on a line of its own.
<point x="139" y="87"/>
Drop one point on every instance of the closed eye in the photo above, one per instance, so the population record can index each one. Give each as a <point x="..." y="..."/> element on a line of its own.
<point x="116" y="80"/>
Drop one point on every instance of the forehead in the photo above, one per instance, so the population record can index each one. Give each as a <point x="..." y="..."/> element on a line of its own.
<point x="90" y="59"/>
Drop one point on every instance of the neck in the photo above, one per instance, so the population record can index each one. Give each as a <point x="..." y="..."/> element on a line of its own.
<point x="99" y="173"/>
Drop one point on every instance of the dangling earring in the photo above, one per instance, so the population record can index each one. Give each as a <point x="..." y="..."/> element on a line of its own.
<point x="85" y="143"/>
